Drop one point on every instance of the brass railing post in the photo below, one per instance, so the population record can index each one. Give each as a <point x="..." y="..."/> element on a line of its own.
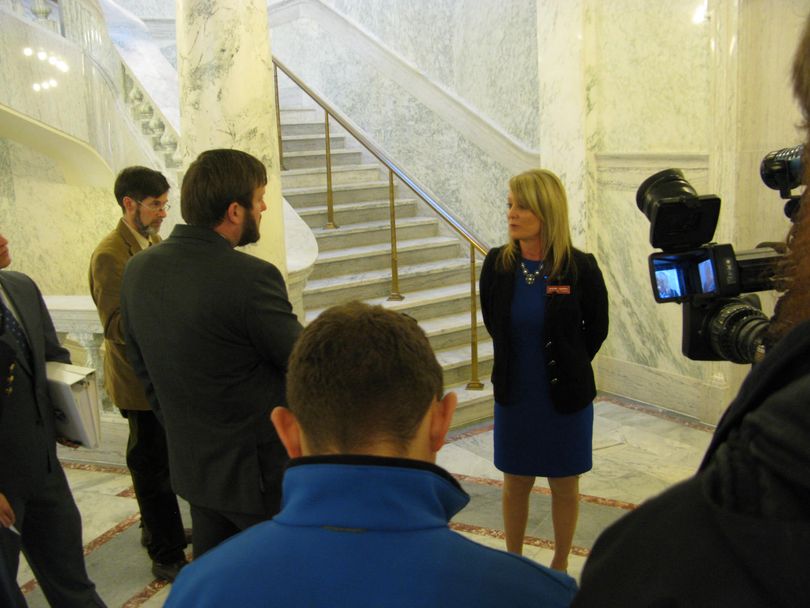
<point x="474" y="384"/>
<point x="278" y="120"/>
<point x="395" y="295"/>
<point x="330" y="198"/>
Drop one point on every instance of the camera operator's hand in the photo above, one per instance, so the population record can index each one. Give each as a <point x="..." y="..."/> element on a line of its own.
<point x="7" y="517"/>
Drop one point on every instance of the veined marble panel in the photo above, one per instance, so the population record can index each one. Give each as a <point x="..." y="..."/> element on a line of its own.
<point x="561" y="111"/>
<point x="464" y="177"/>
<point x="54" y="244"/>
<point x="651" y="71"/>
<point x="485" y="52"/>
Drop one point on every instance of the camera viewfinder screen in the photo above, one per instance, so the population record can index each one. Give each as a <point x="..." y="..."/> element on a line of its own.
<point x="708" y="284"/>
<point x="669" y="283"/>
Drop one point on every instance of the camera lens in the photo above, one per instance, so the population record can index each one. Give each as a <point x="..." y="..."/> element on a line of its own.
<point x="782" y="169"/>
<point x="667" y="184"/>
<point x="736" y="330"/>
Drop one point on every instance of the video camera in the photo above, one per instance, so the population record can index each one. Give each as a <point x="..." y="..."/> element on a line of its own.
<point x="708" y="278"/>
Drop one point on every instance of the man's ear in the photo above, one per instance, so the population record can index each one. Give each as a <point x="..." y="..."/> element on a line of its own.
<point x="234" y="213"/>
<point x="129" y="204"/>
<point x="288" y="429"/>
<point x="442" y="416"/>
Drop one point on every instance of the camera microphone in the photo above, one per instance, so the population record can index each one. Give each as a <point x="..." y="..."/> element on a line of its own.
<point x="782" y="169"/>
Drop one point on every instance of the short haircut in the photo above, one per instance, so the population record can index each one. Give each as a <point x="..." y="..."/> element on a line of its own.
<point x="215" y="180"/>
<point x="139" y="183"/>
<point x="361" y="374"/>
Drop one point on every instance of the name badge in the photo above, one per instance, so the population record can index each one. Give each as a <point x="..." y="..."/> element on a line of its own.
<point x="564" y="290"/>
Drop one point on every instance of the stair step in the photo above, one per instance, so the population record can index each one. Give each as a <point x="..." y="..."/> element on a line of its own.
<point x="304" y="159"/>
<point x="300" y="143"/>
<point x="341" y="193"/>
<point x="421" y="304"/>
<point x="291" y="115"/>
<point x="377" y="256"/>
<point x="353" y="213"/>
<point x="377" y="283"/>
<point x="366" y="233"/>
<point x="453" y="330"/>
<point x="473" y="405"/>
<point x="315" y="177"/>
<point x="455" y="362"/>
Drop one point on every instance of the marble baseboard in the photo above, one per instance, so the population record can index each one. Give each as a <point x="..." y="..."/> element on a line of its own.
<point x="693" y="397"/>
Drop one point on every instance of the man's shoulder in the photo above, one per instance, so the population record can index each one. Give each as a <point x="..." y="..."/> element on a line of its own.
<point x="113" y="243"/>
<point x="512" y="570"/>
<point x="12" y="279"/>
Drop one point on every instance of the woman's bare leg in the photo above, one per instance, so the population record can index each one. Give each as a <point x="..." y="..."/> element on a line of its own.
<point x="564" y="514"/>
<point x="516" y="490"/>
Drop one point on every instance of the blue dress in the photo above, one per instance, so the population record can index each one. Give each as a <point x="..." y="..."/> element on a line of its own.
<point x="531" y="437"/>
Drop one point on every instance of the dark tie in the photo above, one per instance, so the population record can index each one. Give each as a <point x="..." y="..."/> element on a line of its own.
<point x="13" y="328"/>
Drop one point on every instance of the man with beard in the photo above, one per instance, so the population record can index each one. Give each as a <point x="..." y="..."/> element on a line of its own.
<point x="142" y="194"/>
<point x="209" y="331"/>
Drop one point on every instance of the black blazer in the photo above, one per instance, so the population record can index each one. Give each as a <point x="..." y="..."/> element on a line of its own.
<point x="208" y="331"/>
<point x="27" y="433"/>
<point x="575" y="324"/>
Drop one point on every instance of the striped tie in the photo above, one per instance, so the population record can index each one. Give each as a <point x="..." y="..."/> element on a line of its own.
<point x="13" y="328"/>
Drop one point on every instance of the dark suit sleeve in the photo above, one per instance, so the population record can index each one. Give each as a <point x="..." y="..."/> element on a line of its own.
<point x="135" y="359"/>
<point x="485" y="288"/>
<point x="594" y="306"/>
<point x="53" y="350"/>
<point x="272" y="324"/>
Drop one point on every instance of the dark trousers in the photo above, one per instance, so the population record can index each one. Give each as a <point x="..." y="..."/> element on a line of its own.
<point x="148" y="462"/>
<point x="212" y="527"/>
<point x="51" y="539"/>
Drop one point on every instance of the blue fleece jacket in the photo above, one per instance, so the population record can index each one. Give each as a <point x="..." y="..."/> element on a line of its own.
<point x="361" y="531"/>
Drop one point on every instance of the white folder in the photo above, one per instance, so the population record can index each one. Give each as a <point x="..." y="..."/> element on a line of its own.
<point x="74" y="395"/>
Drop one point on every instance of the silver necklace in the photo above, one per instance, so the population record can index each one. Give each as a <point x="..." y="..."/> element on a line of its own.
<point x="531" y="277"/>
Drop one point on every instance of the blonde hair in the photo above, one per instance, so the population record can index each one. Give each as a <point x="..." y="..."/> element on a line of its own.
<point x="541" y="192"/>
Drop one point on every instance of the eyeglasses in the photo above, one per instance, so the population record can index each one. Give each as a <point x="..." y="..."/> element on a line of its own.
<point x="155" y="208"/>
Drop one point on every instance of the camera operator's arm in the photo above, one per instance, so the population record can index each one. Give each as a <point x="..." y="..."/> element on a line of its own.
<point x="594" y="303"/>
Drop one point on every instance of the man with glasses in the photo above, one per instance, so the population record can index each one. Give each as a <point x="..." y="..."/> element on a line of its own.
<point x="209" y="330"/>
<point x="142" y="194"/>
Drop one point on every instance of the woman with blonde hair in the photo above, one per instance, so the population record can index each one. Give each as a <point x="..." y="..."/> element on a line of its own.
<point x="545" y="305"/>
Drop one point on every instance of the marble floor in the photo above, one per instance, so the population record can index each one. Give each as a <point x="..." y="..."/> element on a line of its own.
<point x="638" y="451"/>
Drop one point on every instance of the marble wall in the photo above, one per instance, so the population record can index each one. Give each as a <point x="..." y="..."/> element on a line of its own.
<point x="700" y="86"/>
<point x="467" y="180"/>
<point x="485" y="52"/>
<point x="52" y="226"/>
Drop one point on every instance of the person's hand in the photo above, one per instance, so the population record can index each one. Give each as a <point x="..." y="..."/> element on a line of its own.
<point x="67" y="442"/>
<point x="7" y="517"/>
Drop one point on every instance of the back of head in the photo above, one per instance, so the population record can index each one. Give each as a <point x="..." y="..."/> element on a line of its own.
<point x="216" y="179"/>
<point x="361" y="375"/>
<point x="541" y="192"/>
<point x="139" y="183"/>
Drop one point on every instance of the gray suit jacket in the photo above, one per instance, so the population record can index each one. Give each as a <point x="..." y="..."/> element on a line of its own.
<point x="209" y="331"/>
<point x="27" y="436"/>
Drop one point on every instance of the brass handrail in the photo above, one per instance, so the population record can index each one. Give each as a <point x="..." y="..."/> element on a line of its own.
<point x="423" y="193"/>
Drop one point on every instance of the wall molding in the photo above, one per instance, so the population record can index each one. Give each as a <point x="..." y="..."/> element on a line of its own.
<point x="500" y="145"/>
<point x="701" y="399"/>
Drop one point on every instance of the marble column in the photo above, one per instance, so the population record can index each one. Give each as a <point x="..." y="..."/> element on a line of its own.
<point x="562" y="111"/>
<point x="227" y="96"/>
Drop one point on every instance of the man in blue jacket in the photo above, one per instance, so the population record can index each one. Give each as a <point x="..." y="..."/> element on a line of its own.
<point x="365" y="510"/>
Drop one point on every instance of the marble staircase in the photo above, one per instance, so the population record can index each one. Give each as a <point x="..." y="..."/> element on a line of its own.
<point x="354" y="260"/>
